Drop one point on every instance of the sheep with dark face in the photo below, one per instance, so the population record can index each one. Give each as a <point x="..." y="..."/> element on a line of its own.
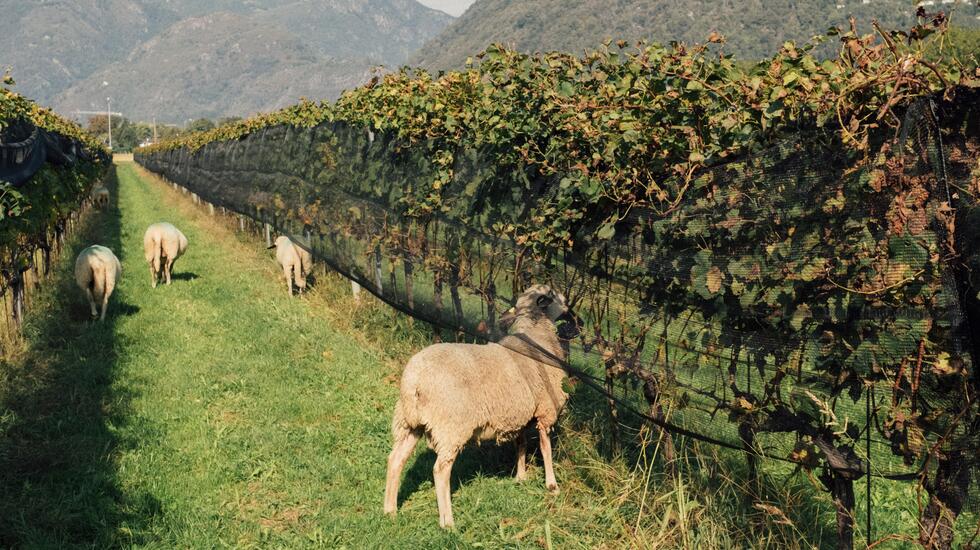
<point x="457" y="393"/>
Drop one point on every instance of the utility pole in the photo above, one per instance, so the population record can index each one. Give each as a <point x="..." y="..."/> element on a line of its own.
<point x="154" y="130"/>
<point x="108" y="118"/>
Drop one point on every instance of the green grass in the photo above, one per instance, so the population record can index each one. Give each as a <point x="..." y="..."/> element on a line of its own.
<point x="219" y="412"/>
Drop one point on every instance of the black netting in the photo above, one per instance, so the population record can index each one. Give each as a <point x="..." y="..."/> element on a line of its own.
<point x="24" y="148"/>
<point x="684" y="310"/>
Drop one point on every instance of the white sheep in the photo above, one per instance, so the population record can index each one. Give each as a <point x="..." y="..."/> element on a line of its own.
<point x="458" y="393"/>
<point x="101" y="196"/>
<point x="295" y="261"/>
<point x="162" y="245"/>
<point x="97" y="270"/>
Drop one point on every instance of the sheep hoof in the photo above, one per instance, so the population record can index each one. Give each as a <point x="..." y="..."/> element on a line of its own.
<point x="553" y="488"/>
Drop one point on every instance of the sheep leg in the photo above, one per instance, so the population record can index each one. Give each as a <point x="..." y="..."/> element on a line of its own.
<point x="288" y="272"/>
<point x="106" y="292"/>
<point x="98" y="293"/>
<point x="400" y="453"/>
<point x="522" y="456"/>
<point x="441" y="474"/>
<point x="154" y="271"/>
<point x="91" y="302"/>
<point x="167" y="268"/>
<point x="549" y="471"/>
<point x="300" y="279"/>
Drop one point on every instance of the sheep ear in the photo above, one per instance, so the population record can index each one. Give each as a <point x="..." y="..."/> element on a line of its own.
<point x="270" y="247"/>
<point x="507" y="319"/>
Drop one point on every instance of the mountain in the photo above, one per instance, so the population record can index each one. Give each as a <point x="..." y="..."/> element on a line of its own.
<point x="754" y="29"/>
<point x="50" y="45"/>
<point x="179" y="59"/>
<point x="212" y="66"/>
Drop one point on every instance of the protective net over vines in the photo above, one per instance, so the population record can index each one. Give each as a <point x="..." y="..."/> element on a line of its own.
<point x="739" y="316"/>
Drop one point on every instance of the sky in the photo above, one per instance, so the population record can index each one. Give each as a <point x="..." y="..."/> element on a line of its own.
<point x="452" y="7"/>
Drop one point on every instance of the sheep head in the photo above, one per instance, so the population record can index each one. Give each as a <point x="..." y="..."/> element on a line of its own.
<point x="280" y="241"/>
<point x="542" y="300"/>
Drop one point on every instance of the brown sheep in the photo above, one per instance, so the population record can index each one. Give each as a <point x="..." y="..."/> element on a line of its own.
<point x="162" y="245"/>
<point x="97" y="270"/>
<point x="458" y="393"/>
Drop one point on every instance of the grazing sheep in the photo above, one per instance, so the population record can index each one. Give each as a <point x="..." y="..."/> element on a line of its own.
<point x="97" y="270"/>
<point x="458" y="393"/>
<point x="101" y="196"/>
<point x="162" y="245"/>
<point x="295" y="261"/>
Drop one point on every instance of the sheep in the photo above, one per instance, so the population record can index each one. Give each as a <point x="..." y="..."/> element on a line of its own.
<point x="97" y="270"/>
<point x="458" y="393"/>
<point x="162" y="245"/>
<point x="295" y="261"/>
<point x="101" y="196"/>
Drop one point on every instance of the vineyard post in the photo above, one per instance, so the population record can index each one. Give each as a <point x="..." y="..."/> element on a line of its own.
<point x="268" y="235"/>
<point x="651" y="392"/>
<point x="46" y="247"/>
<point x="409" y="263"/>
<point x="18" y="290"/>
<point x="842" y="493"/>
<point x="747" y="435"/>
<point x="455" y="259"/>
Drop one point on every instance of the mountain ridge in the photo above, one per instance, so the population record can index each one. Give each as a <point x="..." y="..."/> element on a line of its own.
<point x="62" y="53"/>
<point x="754" y="29"/>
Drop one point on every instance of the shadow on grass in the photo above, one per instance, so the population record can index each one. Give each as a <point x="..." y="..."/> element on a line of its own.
<point x="487" y="460"/>
<point x="59" y="414"/>
<point x="184" y="276"/>
<point x="79" y="312"/>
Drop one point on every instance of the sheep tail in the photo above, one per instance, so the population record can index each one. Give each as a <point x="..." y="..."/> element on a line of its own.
<point x="404" y="420"/>
<point x="99" y="277"/>
<point x="154" y="252"/>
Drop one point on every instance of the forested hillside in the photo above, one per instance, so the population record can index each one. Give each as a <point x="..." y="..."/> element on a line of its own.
<point x="74" y="54"/>
<point x="203" y="68"/>
<point x="753" y="28"/>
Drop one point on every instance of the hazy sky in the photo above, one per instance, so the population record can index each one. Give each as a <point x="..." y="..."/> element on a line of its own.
<point x="452" y="7"/>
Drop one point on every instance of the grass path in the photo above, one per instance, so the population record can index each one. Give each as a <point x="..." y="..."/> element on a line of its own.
<point x="218" y="412"/>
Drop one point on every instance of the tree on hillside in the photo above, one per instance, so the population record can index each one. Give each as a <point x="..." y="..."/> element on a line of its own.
<point x="200" y="125"/>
